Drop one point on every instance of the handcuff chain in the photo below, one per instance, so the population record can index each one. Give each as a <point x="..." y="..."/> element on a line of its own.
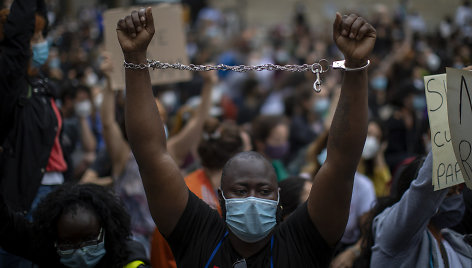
<point x="317" y="68"/>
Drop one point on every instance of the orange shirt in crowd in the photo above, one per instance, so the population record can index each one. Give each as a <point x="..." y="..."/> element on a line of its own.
<point x="200" y="185"/>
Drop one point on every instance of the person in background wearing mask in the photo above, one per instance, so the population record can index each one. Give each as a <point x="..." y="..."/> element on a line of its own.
<point x="183" y="144"/>
<point x="76" y="226"/>
<point x="401" y="127"/>
<point x="372" y="162"/>
<point x="31" y="158"/>
<point x="124" y="169"/>
<point x="270" y="134"/>
<point x="246" y="236"/>
<point x="302" y="118"/>
<point x="414" y="232"/>
<point x="78" y="140"/>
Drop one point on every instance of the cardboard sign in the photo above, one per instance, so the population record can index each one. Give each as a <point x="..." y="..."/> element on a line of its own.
<point x="446" y="170"/>
<point x="167" y="45"/>
<point x="459" y="99"/>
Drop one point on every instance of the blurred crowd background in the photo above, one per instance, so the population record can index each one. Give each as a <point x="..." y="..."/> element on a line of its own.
<point x="277" y="113"/>
<point x="408" y="47"/>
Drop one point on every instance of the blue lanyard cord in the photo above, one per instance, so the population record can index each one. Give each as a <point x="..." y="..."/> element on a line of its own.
<point x="221" y="241"/>
<point x="216" y="250"/>
<point x="430" y="251"/>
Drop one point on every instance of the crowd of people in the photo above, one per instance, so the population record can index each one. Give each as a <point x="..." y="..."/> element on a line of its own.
<point x="228" y="169"/>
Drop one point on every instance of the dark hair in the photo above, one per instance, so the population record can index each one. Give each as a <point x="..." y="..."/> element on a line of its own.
<point x="107" y="207"/>
<point x="409" y="171"/>
<point x="68" y="92"/>
<point x="290" y="192"/>
<point x="264" y="124"/>
<point x="85" y="89"/>
<point x="219" y="143"/>
<point x="293" y="103"/>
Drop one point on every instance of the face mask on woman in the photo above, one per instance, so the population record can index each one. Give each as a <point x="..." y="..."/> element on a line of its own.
<point x="40" y="53"/>
<point x="277" y="152"/>
<point x="86" y="256"/>
<point x="371" y="147"/>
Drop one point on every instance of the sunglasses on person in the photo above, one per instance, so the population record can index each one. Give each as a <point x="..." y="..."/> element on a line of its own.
<point x="67" y="249"/>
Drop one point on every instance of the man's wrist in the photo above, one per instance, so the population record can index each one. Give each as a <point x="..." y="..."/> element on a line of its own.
<point x="355" y="63"/>
<point x="136" y="57"/>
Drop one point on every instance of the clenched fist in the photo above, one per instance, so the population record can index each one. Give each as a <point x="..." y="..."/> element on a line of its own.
<point x="136" y="31"/>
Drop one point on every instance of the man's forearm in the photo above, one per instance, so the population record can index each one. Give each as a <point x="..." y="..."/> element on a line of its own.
<point x="349" y="127"/>
<point x="143" y="124"/>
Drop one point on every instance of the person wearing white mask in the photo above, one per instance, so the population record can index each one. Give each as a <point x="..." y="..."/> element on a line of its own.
<point x="250" y="234"/>
<point x="372" y="162"/>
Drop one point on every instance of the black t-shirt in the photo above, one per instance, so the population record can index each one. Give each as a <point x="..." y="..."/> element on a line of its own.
<point x="296" y="241"/>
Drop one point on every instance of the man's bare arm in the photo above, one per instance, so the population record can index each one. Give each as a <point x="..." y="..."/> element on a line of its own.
<point x="165" y="188"/>
<point x="330" y="197"/>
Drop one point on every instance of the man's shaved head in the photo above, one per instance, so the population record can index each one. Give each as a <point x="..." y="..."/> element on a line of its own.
<point x="247" y="164"/>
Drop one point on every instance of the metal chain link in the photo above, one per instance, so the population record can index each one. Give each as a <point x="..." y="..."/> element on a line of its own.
<point x="317" y="68"/>
<point x="155" y="64"/>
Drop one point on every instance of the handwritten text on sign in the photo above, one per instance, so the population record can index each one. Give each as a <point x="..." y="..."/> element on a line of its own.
<point x="446" y="170"/>
<point x="459" y="99"/>
<point x="167" y="45"/>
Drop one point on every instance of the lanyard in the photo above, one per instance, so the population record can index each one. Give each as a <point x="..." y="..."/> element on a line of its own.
<point x="221" y="241"/>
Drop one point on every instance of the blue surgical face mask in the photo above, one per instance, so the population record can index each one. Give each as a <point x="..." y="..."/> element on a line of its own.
<point x="450" y="212"/>
<point x="251" y="219"/>
<point x="87" y="256"/>
<point x="277" y="152"/>
<point x="322" y="156"/>
<point x="40" y="53"/>
<point x="321" y="106"/>
<point x="379" y="83"/>
<point x="419" y="103"/>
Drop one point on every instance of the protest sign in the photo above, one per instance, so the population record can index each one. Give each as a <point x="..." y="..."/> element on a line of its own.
<point x="167" y="45"/>
<point x="446" y="169"/>
<point x="459" y="99"/>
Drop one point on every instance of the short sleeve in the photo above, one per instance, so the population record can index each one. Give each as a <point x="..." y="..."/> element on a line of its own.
<point x="196" y="234"/>
<point x="299" y="243"/>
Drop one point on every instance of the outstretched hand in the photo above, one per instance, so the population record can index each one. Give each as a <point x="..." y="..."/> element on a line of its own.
<point x="354" y="37"/>
<point x="135" y="31"/>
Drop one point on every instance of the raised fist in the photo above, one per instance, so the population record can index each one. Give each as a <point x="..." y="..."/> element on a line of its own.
<point x="354" y="37"/>
<point x="136" y="31"/>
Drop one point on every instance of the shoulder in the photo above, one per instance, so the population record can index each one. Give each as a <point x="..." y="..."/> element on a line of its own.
<point x="196" y="233"/>
<point x="137" y="255"/>
<point x="300" y="237"/>
<point x="458" y="242"/>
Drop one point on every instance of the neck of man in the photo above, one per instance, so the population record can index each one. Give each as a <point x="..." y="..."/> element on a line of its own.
<point x="214" y="176"/>
<point x="245" y="249"/>
<point x="436" y="232"/>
